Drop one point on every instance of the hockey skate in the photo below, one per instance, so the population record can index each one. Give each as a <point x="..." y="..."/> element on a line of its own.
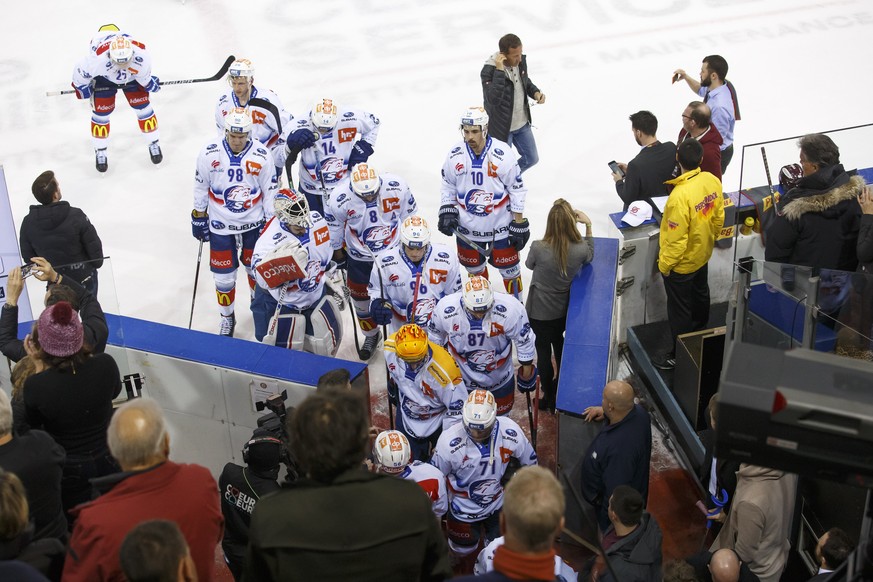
<point x="155" y="153"/>
<point x="370" y="345"/>
<point x="228" y="324"/>
<point x="102" y="162"/>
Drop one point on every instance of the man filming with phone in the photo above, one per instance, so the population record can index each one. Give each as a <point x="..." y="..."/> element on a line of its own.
<point x="505" y="90"/>
<point x="644" y="176"/>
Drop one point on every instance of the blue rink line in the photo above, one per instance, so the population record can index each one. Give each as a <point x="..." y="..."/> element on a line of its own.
<point x="222" y="352"/>
<point x="585" y="362"/>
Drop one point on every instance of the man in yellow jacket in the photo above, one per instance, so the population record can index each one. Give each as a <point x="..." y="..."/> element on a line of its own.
<point x="692" y="220"/>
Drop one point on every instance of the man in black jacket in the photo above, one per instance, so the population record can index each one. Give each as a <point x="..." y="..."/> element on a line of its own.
<point x="505" y="89"/>
<point x="646" y="173"/>
<point x="61" y="233"/>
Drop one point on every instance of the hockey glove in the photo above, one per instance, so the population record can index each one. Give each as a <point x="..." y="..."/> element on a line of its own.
<point x="83" y="91"/>
<point x="519" y="233"/>
<point x="341" y="259"/>
<point x="200" y="227"/>
<point x="360" y="152"/>
<point x="529" y="384"/>
<point x="448" y="221"/>
<point x="393" y="392"/>
<point x="380" y="311"/>
<point x="298" y="141"/>
<point x="154" y="85"/>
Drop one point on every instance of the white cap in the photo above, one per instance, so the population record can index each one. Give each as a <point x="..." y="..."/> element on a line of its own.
<point x="637" y="213"/>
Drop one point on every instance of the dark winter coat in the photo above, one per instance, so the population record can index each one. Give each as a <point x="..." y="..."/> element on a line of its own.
<point x="61" y="234"/>
<point x="865" y="244"/>
<point x="819" y="222"/>
<point x="637" y="556"/>
<point x="498" y="94"/>
<point x="45" y="555"/>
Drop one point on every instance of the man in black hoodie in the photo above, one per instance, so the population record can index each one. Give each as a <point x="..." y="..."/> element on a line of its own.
<point x="62" y="234"/>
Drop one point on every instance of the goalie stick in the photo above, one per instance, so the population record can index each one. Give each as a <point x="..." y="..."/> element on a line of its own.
<point x="221" y="72"/>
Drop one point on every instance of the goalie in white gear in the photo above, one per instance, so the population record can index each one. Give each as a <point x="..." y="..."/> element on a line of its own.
<point x="479" y="327"/>
<point x="425" y="385"/>
<point x="474" y="456"/>
<point x="393" y="457"/>
<point x="407" y="281"/>
<point x="294" y="307"/>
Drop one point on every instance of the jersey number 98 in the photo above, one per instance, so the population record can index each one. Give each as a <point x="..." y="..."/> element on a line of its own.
<point x="235" y="174"/>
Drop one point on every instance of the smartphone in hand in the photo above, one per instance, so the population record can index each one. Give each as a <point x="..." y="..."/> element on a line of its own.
<point x="613" y="165"/>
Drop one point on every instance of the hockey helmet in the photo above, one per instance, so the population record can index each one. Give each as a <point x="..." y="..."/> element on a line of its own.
<point x="324" y="114"/>
<point x="109" y="28"/>
<point x="477" y="295"/>
<point x="238" y="120"/>
<point x="415" y="233"/>
<point x="241" y="68"/>
<point x="391" y="451"/>
<point x="292" y="208"/>
<point x="479" y="414"/>
<point x="120" y="50"/>
<point x="365" y="181"/>
<point x="410" y="343"/>
<point x="473" y="116"/>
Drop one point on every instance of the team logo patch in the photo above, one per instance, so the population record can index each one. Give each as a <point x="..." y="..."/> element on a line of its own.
<point x="378" y="237"/>
<point x="483" y="492"/>
<point x="332" y="170"/>
<point x="481" y="360"/>
<point x="479" y="202"/>
<point x="309" y="283"/>
<point x="239" y="199"/>
<point x="455" y="442"/>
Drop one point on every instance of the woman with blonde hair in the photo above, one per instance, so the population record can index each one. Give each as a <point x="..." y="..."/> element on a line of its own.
<point x="554" y="261"/>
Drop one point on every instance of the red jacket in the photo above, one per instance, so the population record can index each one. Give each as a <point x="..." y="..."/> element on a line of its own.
<point x="711" y="142"/>
<point x="186" y="494"/>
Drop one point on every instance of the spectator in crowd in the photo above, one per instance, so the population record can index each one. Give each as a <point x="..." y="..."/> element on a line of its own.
<point x="757" y="525"/>
<point x="379" y="527"/>
<point x="156" y="551"/>
<point x="554" y="262"/>
<point x="645" y="175"/>
<point x="620" y="453"/>
<point x="241" y="488"/>
<point x="532" y="517"/>
<point x="20" y="572"/>
<point x="71" y="399"/>
<point x="865" y="233"/>
<point x="692" y="219"/>
<point x="720" y="95"/>
<point x="832" y="549"/>
<point x="338" y="379"/>
<point x="38" y="461"/>
<point x="696" y="123"/>
<point x="722" y="566"/>
<point x="506" y="87"/>
<point x="679" y="571"/>
<point x="61" y="233"/>
<point x="16" y="532"/>
<point x="816" y="223"/>
<point x="150" y="486"/>
<point x="59" y="289"/>
<point x="716" y="475"/>
<point x="24" y="369"/>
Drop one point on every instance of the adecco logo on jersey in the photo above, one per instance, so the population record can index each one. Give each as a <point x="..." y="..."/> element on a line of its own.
<point x="347" y="134"/>
<point x="321" y="235"/>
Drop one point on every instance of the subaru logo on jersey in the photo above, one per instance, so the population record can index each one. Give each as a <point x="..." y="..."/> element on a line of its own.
<point x="394" y="183"/>
<point x="479" y="202"/>
<point x="309" y="283"/>
<point x="456" y="405"/>
<point x="500" y="308"/>
<point x="277" y="236"/>
<point x="137" y="59"/>
<point x="511" y="432"/>
<point x="448" y="310"/>
<point x="238" y="199"/>
<point x="483" y="492"/>
<point x="332" y="170"/>
<point x="481" y="360"/>
<point x="455" y="442"/>
<point x="443" y="255"/>
<point x="456" y="150"/>
<point x="217" y="225"/>
<point x="378" y="237"/>
<point x="212" y="146"/>
<point x="388" y="259"/>
<point x="525" y="329"/>
<point x="498" y="151"/>
<point x="330" y="217"/>
<point x="349" y="114"/>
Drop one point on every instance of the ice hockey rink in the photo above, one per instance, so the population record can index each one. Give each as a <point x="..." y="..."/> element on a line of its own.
<point x="798" y="67"/>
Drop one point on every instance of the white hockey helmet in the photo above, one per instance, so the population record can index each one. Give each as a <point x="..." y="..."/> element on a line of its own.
<point x="415" y="233"/>
<point x="365" y="180"/>
<point x="292" y="208"/>
<point x="238" y="120"/>
<point x="480" y="412"/>
<point x="324" y="114"/>
<point x="391" y="451"/>
<point x="477" y="295"/>
<point x="475" y="116"/>
<point x="120" y="50"/>
<point x="241" y="68"/>
<point x="410" y="343"/>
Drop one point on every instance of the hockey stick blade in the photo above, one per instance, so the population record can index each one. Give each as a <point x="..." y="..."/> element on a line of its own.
<point x="482" y="250"/>
<point x="221" y="72"/>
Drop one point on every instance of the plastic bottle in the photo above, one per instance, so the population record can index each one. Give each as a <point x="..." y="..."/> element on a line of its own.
<point x="748" y="226"/>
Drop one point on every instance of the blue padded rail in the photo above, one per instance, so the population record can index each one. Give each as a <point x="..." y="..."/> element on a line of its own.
<point x="585" y="362"/>
<point x="783" y="313"/>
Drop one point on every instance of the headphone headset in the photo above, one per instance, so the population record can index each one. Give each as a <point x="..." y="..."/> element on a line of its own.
<point x="258" y="441"/>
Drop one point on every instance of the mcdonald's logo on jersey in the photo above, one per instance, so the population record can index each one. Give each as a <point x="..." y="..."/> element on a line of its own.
<point x="253" y="168"/>
<point x="347" y="134"/>
<point x="258" y="117"/>
<point x="224" y="298"/>
<point x="390" y="205"/>
<point x="100" y="131"/>
<point x="438" y="276"/>
<point x="321" y="235"/>
<point x="148" y="125"/>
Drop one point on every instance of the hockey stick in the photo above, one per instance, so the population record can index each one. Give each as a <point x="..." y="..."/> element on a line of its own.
<point x="385" y="338"/>
<point x="482" y="250"/>
<point x="318" y="165"/>
<point x="533" y="427"/>
<point x="354" y="318"/>
<point x="274" y="321"/>
<point x="769" y="181"/>
<point x="221" y="72"/>
<point x="196" y="278"/>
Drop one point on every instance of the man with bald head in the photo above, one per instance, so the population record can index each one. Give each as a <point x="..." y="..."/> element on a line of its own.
<point x="722" y="566"/>
<point x="150" y="486"/>
<point x="620" y="454"/>
<point x="697" y="123"/>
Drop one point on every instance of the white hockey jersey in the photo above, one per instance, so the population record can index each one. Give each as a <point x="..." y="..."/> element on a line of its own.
<point x="305" y="292"/>
<point x="432" y="395"/>
<point x="483" y="347"/>
<point x="328" y="159"/>
<point x="265" y="127"/>
<point x="98" y="63"/>
<point x="486" y="189"/>
<point x="394" y="278"/>
<point x="368" y="227"/>
<point x="485" y="563"/>
<point x="432" y="481"/>
<point x="237" y="190"/>
<point x="474" y="470"/>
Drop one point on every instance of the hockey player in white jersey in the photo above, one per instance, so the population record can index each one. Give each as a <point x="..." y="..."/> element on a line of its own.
<point x="480" y="327"/>
<point x="117" y="61"/>
<point x="474" y="456"/>
<point x="393" y="456"/>
<point x="426" y="386"/>
<point x="485" y="563"/>
<point x="364" y="214"/>
<point x="270" y="121"/>
<point x="482" y="197"/>
<point x="293" y="306"/>
<point x="329" y="141"/>
<point x="407" y="281"/>
<point x="234" y="187"/>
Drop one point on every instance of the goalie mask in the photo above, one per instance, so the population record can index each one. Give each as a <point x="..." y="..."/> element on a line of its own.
<point x="324" y="115"/>
<point x="120" y="50"/>
<point x="292" y="209"/>
<point x="479" y="415"/>
<point x="410" y="343"/>
<point x="477" y="295"/>
<point x="365" y="181"/>
<point x="391" y="452"/>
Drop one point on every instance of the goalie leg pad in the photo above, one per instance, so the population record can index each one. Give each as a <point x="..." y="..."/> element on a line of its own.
<point x="290" y="330"/>
<point x="324" y="329"/>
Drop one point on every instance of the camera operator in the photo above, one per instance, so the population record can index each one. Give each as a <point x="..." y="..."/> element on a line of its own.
<point x="241" y="488"/>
